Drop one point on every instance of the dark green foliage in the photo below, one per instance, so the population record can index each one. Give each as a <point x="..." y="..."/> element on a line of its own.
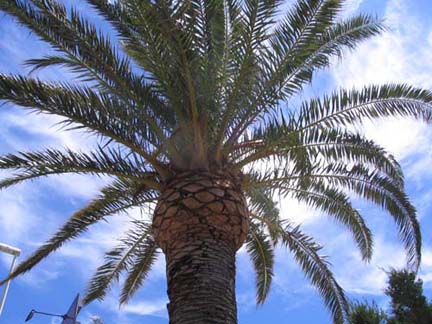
<point x="408" y="304"/>
<point x="365" y="313"/>
<point x="197" y="85"/>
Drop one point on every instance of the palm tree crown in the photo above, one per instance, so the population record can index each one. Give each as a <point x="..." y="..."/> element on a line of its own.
<point x="203" y="86"/>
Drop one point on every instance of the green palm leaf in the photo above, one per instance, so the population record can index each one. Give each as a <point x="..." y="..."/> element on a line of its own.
<point x="283" y="142"/>
<point x="316" y="268"/>
<point x="87" y="52"/>
<point x="348" y="107"/>
<point x="332" y="42"/>
<point x="337" y="204"/>
<point x="119" y="259"/>
<point x="261" y="252"/>
<point x="261" y="203"/>
<point x="369" y="185"/>
<point x="313" y="265"/>
<point x="115" y="198"/>
<point x="102" y="114"/>
<point x="145" y="257"/>
<point x="111" y="162"/>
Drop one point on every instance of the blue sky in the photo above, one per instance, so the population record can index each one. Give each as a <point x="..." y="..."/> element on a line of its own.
<point x="30" y="212"/>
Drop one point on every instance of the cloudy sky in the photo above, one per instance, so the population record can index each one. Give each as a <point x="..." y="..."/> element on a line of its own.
<point x="30" y="212"/>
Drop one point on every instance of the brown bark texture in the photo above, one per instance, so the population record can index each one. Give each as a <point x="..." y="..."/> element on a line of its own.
<point x="201" y="220"/>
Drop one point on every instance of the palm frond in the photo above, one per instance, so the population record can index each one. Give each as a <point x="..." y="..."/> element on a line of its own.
<point x="87" y="51"/>
<point x="146" y="255"/>
<point x="260" y="202"/>
<point x="320" y="145"/>
<point x="31" y="165"/>
<point x="117" y="260"/>
<point x="297" y="54"/>
<point x="313" y="265"/>
<point x="115" y="198"/>
<point x="327" y="199"/>
<point x="161" y="41"/>
<point x="114" y="13"/>
<point x="296" y="69"/>
<point x="372" y="186"/>
<point x="101" y="114"/>
<point x="91" y="55"/>
<point x="300" y="68"/>
<point x="258" y="18"/>
<point x="210" y="21"/>
<point x="171" y="58"/>
<point x="347" y="107"/>
<point x="261" y="252"/>
<point x="302" y="25"/>
<point x="368" y="184"/>
<point x="316" y="268"/>
<point x="337" y="204"/>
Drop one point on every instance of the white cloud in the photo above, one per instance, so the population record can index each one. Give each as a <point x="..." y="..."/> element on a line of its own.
<point x="154" y="307"/>
<point x="401" y="137"/>
<point x="426" y="268"/>
<point x="359" y="277"/>
<point x="297" y="212"/>
<point x="14" y="216"/>
<point x="142" y="307"/>
<point x="350" y="7"/>
<point x="427" y="258"/>
<point x="399" y="55"/>
<point x="46" y="129"/>
<point x="56" y="320"/>
<point x="40" y="276"/>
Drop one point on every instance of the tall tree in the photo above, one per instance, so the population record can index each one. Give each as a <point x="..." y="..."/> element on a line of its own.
<point x="408" y="303"/>
<point x="191" y="110"/>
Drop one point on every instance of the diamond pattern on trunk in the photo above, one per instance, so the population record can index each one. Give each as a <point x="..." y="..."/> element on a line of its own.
<point x="200" y="205"/>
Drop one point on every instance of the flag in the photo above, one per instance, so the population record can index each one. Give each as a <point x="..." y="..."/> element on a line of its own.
<point x="72" y="313"/>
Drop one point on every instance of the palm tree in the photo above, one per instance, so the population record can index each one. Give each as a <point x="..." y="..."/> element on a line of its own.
<point x="190" y="107"/>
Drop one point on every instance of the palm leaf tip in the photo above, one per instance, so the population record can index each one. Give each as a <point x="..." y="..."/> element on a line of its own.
<point x="338" y="205"/>
<point x="261" y="252"/>
<point x="135" y="254"/>
<point x="139" y="270"/>
<point x="316" y="268"/>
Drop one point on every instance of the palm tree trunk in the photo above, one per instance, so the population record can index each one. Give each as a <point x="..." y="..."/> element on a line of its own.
<point x="201" y="283"/>
<point x="200" y="222"/>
